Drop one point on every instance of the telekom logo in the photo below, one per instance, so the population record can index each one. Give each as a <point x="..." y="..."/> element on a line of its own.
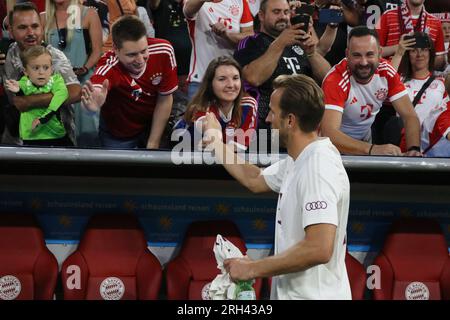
<point x="366" y="111"/>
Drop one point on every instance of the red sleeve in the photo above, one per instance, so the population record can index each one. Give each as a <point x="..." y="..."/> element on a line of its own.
<point x="169" y="81"/>
<point x="396" y="87"/>
<point x="439" y="43"/>
<point x="335" y="90"/>
<point x="382" y="29"/>
<point x="249" y="108"/>
<point x="105" y="70"/>
<point x="247" y="18"/>
<point x="442" y="123"/>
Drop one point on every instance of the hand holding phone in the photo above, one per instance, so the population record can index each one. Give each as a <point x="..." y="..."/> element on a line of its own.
<point x="422" y="40"/>
<point x="301" y="18"/>
<point x="327" y="16"/>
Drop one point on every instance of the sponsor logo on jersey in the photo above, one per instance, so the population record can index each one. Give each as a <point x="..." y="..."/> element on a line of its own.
<point x="316" y="205"/>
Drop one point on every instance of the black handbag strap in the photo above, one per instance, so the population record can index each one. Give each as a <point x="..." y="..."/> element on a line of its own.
<point x="422" y="90"/>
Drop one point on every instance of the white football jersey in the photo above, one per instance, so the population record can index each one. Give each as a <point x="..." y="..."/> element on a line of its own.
<point x="206" y="45"/>
<point x="312" y="189"/>
<point x="433" y="97"/>
<point x="358" y="102"/>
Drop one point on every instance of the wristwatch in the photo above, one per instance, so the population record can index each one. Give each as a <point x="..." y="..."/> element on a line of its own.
<point x="414" y="148"/>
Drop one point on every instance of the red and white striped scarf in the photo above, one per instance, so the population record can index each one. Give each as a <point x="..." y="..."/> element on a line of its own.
<point x="405" y="18"/>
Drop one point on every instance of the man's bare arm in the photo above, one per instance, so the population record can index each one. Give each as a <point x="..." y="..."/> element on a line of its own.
<point x="25" y="103"/>
<point x="159" y="122"/>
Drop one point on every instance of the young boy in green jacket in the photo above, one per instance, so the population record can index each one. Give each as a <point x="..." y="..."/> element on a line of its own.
<point x="41" y="126"/>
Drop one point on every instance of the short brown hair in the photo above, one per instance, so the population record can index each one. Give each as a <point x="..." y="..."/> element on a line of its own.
<point x="302" y="97"/>
<point x="21" y="7"/>
<point x="32" y="53"/>
<point x="127" y="28"/>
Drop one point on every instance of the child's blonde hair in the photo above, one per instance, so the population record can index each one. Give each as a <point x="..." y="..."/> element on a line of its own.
<point x="32" y="53"/>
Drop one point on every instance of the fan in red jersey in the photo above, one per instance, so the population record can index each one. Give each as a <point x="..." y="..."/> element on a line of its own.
<point x="133" y="86"/>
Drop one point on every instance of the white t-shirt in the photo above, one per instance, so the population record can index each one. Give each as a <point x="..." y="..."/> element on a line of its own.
<point x="312" y="189"/>
<point x="360" y="103"/>
<point x="206" y="45"/>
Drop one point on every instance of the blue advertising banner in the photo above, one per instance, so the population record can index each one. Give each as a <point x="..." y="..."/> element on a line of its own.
<point x="63" y="216"/>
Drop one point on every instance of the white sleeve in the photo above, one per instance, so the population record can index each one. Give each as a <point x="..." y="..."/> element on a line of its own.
<point x="274" y="175"/>
<point x="320" y="192"/>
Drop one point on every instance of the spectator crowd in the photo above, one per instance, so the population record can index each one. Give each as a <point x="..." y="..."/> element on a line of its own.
<point x="126" y="74"/>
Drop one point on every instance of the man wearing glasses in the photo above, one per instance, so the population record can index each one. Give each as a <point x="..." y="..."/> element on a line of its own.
<point x="26" y="29"/>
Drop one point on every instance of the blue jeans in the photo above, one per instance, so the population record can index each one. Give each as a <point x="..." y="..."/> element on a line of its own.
<point x="107" y="140"/>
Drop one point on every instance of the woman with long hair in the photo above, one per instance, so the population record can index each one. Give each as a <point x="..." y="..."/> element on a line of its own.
<point x="415" y="62"/>
<point x="76" y="30"/>
<point x="222" y="93"/>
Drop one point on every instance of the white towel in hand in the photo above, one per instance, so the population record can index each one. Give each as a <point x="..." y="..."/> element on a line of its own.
<point x="222" y="288"/>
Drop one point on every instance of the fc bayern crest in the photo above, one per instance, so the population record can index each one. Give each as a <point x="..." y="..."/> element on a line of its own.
<point x="433" y="85"/>
<point x="381" y="94"/>
<point x="112" y="288"/>
<point x="156" y="80"/>
<point x="205" y="292"/>
<point x="10" y="287"/>
<point x="417" y="291"/>
<point x="234" y="9"/>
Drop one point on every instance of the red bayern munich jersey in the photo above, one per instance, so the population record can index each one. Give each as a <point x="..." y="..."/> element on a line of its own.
<point x="130" y="103"/>
<point x="389" y="30"/>
<point x="358" y="102"/>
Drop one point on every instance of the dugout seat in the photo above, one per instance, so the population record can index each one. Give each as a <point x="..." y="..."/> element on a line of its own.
<point x="28" y="270"/>
<point x="414" y="262"/>
<point x="357" y="276"/>
<point x="195" y="266"/>
<point x="112" y="262"/>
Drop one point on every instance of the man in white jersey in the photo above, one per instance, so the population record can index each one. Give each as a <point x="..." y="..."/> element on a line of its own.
<point x="354" y="92"/>
<point x="215" y="28"/>
<point x="313" y="201"/>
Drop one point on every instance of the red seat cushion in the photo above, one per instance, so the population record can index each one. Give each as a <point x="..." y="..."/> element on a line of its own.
<point x="24" y="255"/>
<point x="113" y="246"/>
<point x="415" y="250"/>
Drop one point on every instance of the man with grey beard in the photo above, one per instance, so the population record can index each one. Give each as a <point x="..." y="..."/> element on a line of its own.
<point x="278" y="49"/>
